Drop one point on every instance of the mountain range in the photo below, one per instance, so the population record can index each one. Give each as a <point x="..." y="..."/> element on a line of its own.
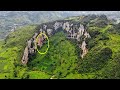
<point x="10" y="19"/>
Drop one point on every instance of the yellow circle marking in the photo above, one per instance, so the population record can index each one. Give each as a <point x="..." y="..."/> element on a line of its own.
<point x="37" y="40"/>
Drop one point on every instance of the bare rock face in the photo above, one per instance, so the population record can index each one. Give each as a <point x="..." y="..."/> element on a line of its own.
<point x="66" y="26"/>
<point x="73" y="34"/>
<point x="34" y="41"/>
<point x="25" y="56"/>
<point x="81" y="29"/>
<point x="80" y="32"/>
<point x="84" y="49"/>
<point x="44" y="27"/>
<point x="31" y="50"/>
<point x="29" y="43"/>
<point x="40" y="41"/>
<point x="35" y="35"/>
<point x="78" y="36"/>
<point x="56" y="25"/>
<point x="87" y="35"/>
<point x="49" y="32"/>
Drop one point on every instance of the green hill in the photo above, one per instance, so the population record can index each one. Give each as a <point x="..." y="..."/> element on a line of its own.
<point x="63" y="57"/>
<point x="60" y="59"/>
<point x="11" y="50"/>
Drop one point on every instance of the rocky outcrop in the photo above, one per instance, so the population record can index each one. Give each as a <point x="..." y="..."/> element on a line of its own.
<point x="84" y="49"/>
<point x="87" y="35"/>
<point x="40" y="41"/>
<point x="45" y="27"/>
<point x="49" y="31"/>
<point x="73" y="31"/>
<point x="57" y="25"/>
<point x="66" y="26"/>
<point x="25" y="56"/>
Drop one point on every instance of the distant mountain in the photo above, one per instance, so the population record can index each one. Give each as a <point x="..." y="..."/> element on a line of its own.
<point x="9" y="20"/>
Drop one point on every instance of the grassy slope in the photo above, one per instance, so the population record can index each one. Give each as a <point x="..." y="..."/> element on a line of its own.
<point x="114" y="44"/>
<point x="38" y="75"/>
<point x="108" y="70"/>
<point x="44" y="62"/>
<point x="59" y="60"/>
<point x="11" y="52"/>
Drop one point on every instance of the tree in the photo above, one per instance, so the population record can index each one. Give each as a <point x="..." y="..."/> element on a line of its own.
<point x="94" y="60"/>
<point x="103" y="37"/>
<point x="25" y="76"/>
<point x="91" y="43"/>
<point x="93" y="34"/>
<point x="106" y="53"/>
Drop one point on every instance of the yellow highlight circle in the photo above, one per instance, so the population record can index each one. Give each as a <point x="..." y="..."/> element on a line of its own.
<point x="37" y="40"/>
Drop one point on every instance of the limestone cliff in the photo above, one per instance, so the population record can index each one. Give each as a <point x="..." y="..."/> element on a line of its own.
<point x="25" y="56"/>
<point x="73" y="31"/>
